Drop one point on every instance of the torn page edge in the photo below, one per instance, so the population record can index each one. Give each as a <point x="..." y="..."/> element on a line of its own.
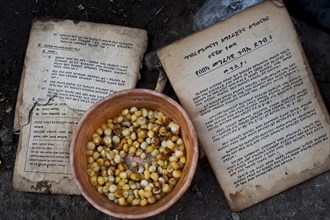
<point x="19" y="102"/>
<point x="22" y="182"/>
<point x="64" y="186"/>
<point x="48" y="100"/>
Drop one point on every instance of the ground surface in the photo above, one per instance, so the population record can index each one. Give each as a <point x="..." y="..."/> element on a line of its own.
<point x="165" y="22"/>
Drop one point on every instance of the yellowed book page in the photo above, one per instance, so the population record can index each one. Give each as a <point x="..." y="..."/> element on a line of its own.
<point x="68" y="66"/>
<point x="259" y="116"/>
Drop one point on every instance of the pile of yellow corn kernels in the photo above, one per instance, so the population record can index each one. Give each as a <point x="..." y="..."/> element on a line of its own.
<point x="137" y="157"/>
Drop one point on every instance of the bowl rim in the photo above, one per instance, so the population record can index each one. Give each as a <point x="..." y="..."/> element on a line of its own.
<point x="191" y="170"/>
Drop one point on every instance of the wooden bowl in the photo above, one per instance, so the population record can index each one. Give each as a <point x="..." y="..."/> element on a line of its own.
<point x="110" y="107"/>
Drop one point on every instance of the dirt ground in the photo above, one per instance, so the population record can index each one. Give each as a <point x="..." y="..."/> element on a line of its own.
<point x="165" y="21"/>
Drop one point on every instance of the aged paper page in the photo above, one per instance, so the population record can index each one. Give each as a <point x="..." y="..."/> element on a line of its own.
<point x="68" y="67"/>
<point x="253" y="100"/>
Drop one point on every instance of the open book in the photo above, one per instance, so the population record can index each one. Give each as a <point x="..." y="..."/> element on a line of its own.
<point x="248" y="88"/>
<point x="68" y="67"/>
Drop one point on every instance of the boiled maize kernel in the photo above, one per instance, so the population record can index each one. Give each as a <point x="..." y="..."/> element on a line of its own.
<point x="137" y="157"/>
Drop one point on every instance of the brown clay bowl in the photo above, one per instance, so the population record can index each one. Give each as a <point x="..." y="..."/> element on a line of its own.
<point x="110" y="107"/>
